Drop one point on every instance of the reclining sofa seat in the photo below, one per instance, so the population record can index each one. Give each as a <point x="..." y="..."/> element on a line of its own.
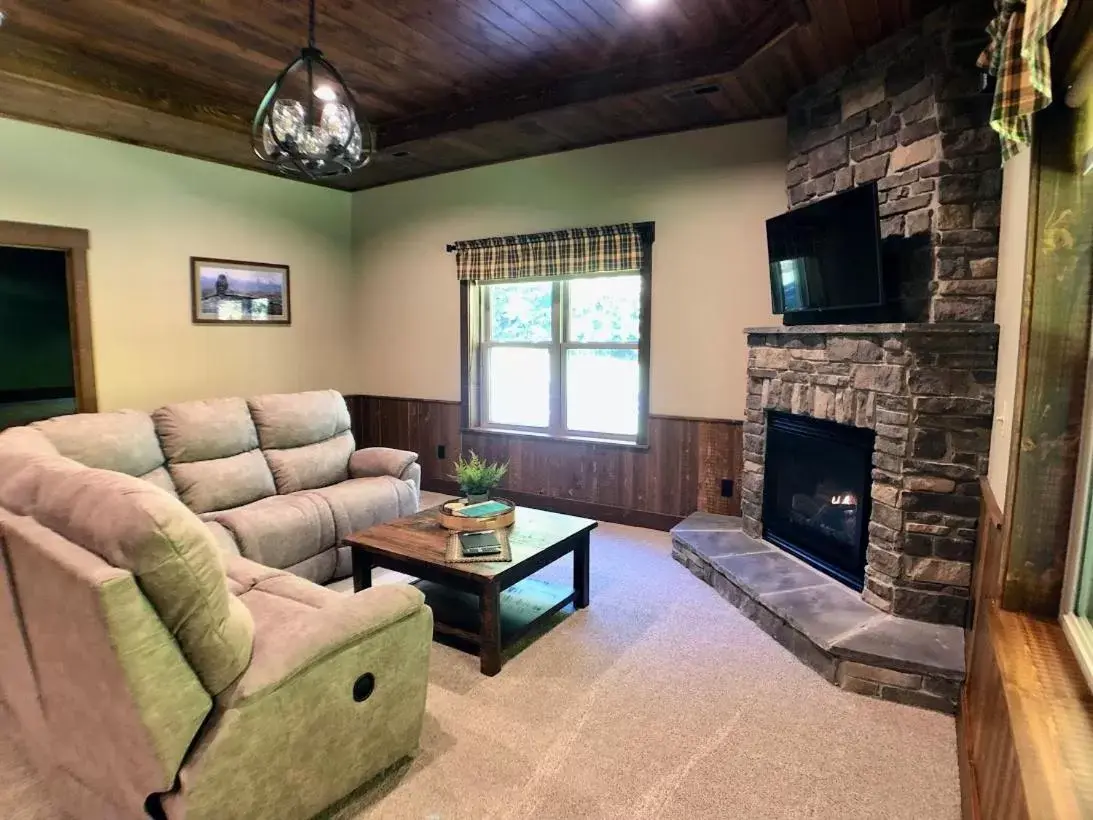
<point x="276" y="478"/>
<point x="147" y="669"/>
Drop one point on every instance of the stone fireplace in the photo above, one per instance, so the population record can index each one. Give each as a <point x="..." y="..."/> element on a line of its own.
<point x="879" y="491"/>
<point x="926" y="392"/>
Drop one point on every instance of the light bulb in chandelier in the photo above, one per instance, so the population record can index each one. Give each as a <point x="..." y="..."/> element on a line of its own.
<point x="307" y="123"/>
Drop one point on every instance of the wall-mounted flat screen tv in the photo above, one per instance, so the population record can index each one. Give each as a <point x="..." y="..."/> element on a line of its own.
<point x="826" y="256"/>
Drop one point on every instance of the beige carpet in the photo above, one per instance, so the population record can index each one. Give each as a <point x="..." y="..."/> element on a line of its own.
<point x="659" y="701"/>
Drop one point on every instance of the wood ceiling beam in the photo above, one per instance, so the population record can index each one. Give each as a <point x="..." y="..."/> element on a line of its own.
<point x="74" y="71"/>
<point x="777" y="18"/>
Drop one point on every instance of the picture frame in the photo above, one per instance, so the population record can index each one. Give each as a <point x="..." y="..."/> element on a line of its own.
<point x="233" y="292"/>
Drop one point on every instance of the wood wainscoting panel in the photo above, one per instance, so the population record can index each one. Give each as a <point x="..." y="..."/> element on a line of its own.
<point x="681" y="470"/>
<point x="1025" y="733"/>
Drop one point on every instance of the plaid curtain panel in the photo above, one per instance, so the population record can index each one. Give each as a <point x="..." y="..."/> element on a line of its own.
<point x="1018" y="56"/>
<point x="558" y="253"/>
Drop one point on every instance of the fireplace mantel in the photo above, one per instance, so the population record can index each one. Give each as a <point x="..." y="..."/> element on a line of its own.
<point x="927" y="390"/>
<point x="881" y="329"/>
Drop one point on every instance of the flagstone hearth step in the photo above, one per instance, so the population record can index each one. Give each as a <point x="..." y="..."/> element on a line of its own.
<point x="824" y="623"/>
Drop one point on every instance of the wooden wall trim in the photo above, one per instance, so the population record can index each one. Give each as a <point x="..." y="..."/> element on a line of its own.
<point x="29" y="235"/>
<point x="969" y="787"/>
<point x="75" y="243"/>
<point x="452" y="402"/>
<point x="703" y="419"/>
<point x="988" y="573"/>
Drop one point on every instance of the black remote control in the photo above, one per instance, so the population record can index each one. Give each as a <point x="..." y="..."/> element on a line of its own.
<point x="474" y="551"/>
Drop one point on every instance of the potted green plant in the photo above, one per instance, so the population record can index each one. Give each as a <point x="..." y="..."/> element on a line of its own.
<point x="476" y="476"/>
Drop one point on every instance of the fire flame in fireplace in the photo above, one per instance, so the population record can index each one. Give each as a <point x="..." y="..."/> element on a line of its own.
<point x="844" y="500"/>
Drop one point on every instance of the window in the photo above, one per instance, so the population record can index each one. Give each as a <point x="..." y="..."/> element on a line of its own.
<point x="1077" y="605"/>
<point x="561" y="357"/>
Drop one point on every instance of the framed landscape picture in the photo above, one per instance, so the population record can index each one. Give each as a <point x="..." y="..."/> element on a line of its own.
<point x="227" y="292"/>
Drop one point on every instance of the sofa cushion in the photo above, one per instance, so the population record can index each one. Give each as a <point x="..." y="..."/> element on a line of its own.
<point x="286" y="420"/>
<point x="283" y="530"/>
<point x="319" y="569"/>
<point x="203" y="430"/>
<point x="245" y="575"/>
<point x="124" y="441"/>
<point x="311" y="466"/>
<point x="361" y="502"/>
<point x="161" y="477"/>
<point x="222" y="483"/>
<point x="137" y="527"/>
<point x="27" y="440"/>
<point x="223" y="538"/>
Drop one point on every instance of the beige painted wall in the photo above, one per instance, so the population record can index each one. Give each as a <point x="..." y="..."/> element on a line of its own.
<point x="148" y="212"/>
<point x="708" y="191"/>
<point x="1016" y="177"/>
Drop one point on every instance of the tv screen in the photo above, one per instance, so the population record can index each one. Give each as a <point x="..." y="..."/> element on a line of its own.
<point x="827" y="255"/>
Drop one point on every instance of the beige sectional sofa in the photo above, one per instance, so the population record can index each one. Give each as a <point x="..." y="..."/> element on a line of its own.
<point x="276" y="477"/>
<point x="151" y="669"/>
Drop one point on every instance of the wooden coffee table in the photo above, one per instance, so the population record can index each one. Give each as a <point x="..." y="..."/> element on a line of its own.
<point x="489" y="605"/>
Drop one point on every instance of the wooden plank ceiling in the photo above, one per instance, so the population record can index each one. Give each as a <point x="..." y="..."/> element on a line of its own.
<point x="448" y="84"/>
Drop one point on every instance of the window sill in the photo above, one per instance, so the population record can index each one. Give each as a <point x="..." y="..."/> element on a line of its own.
<point x="546" y="437"/>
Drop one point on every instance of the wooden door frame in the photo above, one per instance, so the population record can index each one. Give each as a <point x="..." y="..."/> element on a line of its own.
<point x="75" y="243"/>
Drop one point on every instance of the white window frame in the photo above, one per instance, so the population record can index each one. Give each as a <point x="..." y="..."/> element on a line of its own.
<point x="559" y="347"/>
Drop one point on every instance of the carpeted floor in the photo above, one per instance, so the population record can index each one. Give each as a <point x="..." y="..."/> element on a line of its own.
<point x="660" y="701"/>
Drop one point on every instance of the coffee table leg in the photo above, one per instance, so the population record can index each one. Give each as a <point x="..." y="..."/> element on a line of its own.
<point x="490" y="636"/>
<point x="580" y="573"/>
<point x="362" y="570"/>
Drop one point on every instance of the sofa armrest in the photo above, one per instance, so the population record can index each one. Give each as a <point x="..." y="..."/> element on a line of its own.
<point x="380" y="461"/>
<point x="299" y="713"/>
<point x="311" y="639"/>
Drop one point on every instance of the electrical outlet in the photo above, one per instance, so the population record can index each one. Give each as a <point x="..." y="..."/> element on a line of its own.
<point x="440" y="451"/>
<point x="726" y="487"/>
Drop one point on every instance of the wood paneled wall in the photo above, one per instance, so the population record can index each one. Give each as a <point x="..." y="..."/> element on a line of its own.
<point x="680" y="471"/>
<point x="990" y="774"/>
<point x="1025" y="732"/>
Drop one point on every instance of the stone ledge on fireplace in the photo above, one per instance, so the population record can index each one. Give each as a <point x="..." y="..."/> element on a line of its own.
<point x="822" y="622"/>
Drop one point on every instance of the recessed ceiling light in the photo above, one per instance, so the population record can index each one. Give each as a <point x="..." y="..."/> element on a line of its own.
<point x="646" y="4"/>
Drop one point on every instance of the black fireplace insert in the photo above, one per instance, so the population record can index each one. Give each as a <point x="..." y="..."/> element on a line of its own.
<point x="816" y="493"/>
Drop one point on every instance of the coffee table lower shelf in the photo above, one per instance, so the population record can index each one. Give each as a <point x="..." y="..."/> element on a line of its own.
<point x="526" y="607"/>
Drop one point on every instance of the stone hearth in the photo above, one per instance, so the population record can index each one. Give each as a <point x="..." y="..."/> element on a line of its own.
<point x="825" y="624"/>
<point x="927" y="390"/>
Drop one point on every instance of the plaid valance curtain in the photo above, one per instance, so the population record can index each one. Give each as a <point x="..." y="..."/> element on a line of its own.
<point x="558" y="253"/>
<point x="1018" y="57"/>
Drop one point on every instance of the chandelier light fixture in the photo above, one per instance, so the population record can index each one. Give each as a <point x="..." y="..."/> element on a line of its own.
<point x="307" y="122"/>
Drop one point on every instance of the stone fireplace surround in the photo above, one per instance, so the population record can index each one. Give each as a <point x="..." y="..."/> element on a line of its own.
<point x="927" y="390"/>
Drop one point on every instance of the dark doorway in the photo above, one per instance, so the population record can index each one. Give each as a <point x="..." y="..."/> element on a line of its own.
<point x="37" y="373"/>
<point x="816" y="493"/>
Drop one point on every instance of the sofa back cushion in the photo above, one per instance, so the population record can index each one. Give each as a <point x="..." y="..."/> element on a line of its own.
<point x="137" y="527"/>
<point x="305" y="438"/>
<point x="124" y="441"/>
<point x="212" y="454"/>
